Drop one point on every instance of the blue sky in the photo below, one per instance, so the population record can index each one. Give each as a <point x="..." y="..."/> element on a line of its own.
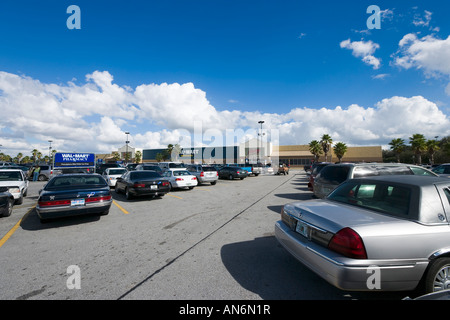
<point x="254" y="59"/>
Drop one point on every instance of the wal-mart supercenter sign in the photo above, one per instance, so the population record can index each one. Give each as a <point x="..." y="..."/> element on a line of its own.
<point x="74" y="159"/>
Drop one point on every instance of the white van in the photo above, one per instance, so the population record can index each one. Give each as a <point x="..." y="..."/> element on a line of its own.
<point x="171" y="165"/>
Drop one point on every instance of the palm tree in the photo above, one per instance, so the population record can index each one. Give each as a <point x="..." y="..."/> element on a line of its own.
<point x="326" y="143"/>
<point x="19" y="156"/>
<point x="397" y="145"/>
<point x="340" y="149"/>
<point x="316" y="149"/>
<point x="419" y="145"/>
<point x="432" y="147"/>
<point x="138" y="156"/>
<point x="34" y="155"/>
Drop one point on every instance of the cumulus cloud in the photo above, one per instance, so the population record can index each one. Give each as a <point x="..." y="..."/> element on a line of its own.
<point x="429" y="54"/>
<point x="92" y="117"/>
<point x="364" y="50"/>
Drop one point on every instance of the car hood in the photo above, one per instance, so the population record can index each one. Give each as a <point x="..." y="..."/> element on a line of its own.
<point x="11" y="183"/>
<point x="333" y="216"/>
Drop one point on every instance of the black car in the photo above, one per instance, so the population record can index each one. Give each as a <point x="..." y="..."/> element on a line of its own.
<point x="100" y="168"/>
<point x="74" y="194"/>
<point x="232" y="173"/>
<point x="6" y="202"/>
<point x="152" y="167"/>
<point x="142" y="183"/>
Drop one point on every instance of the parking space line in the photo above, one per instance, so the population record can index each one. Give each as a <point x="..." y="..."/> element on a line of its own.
<point x="13" y="229"/>
<point x="174" y="196"/>
<point x="120" y="207"/>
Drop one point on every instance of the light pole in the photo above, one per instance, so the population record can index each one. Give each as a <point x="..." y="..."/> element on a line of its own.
<point x="50" y="152"/>
<point x="259" y="134"/>
<point x="126" y="143"/>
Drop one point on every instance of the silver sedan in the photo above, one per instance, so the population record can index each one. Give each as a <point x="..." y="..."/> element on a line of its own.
<point x="388" y="233"/>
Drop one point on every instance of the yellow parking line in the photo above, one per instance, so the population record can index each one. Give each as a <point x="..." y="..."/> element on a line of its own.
<point x="120" y="207"/>
<point x="13" y="229"/>
<point x="174" y="196"/>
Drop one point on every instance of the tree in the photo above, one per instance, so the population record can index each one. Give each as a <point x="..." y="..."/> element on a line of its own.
<point x="34" y="155"/>
<point x="418" y="144"/>
<point x="326" y="143"/>
<point x="340" y="149"/>
<point x="138" y="156"/>
<point x="316" y="149"/>
<point x="432" y="147"/>
<point x="397" y="145"/>
<point x="116" y="156"/>
<point x="19" y="157"/>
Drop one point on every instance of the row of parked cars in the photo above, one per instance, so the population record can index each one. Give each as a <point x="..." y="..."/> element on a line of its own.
<point x="74" y="191"/>
<point x="373" y="227"/>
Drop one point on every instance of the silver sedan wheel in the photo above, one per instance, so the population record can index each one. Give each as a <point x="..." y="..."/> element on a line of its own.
<point x="442" y="279"/>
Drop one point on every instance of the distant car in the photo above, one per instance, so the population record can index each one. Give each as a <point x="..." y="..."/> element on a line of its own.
<point x="268" y="169"/>
<point x="397" y="226"/>
<point x="45" y="172"/>
<point x="204" y="173"/>
<point x="148" y="166"/>
<point x="332" y="175"/>
<point x="142" y="183"/>
<point x="232" y="173"/>
<point x="171" y="165"/>
<point x="283" y="169"/>
<point x="25" y="169"/>
<point x="315" y="170"/>
<point x="74" y="194"/>
<point x="131" y="166"/>
<point x="111" y="175"/>
<point x="16" y="182"/>
<point x="6" y="202"/>
<point x="443" y="170"/>
<point x="180" y="178"/>
<point x="100" y="168"/>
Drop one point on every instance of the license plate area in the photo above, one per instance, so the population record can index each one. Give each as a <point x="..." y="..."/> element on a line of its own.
<point x="303" y="229"/>
<point x="77" y="202"/>
<point x="154" y="187"/>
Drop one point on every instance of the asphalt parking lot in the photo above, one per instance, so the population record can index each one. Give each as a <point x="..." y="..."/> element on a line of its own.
<point x="209" y="243"/>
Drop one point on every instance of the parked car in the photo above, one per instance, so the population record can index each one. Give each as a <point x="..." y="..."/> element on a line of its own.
<point x="257" y="169"/>
<point x="45" y="172"/>
<point x="152" y="167"/>
<point x="171" y="165"/>
<point x="283" y="169"/>
<point x="443" y="170"/>
<point x="16" y="182"/>
<point x="25" y="169"/>
<point x="180" y="178"/>
<point x="316" y="168"/>
<point x="100" y="168"/>
<point x="142" y="183"/>
<point x="398" y="225"/>
<point x="111" y="175"/>
<point x="232" y="173"/>
<point x="204" y="173"/>
<point x="6" y="202"/>
<point x="331" y="176"/>
<point x="268" y="169"/>
<point x="59" y="171"/>
<point x="74" y="194"/>
<point x="131" y="166"/>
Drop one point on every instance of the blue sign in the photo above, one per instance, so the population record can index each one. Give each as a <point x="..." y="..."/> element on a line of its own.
<point x="63" y="160"/>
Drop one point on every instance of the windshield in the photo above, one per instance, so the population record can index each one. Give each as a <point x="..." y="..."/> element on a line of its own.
<point x="181" y="173"/>
<point x="81" y="181"/>
<point x="135" y="175"/>
<point x="176" y="165"/>
<point x="117" y="171"/>
<point x="383" y="197"/>
<point x="10" y="176"/>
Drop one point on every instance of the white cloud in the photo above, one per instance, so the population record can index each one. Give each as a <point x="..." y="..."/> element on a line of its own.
<point x="429" y="54"/>
<point x="422" y="21"/>
<point x="364" y="50"/>
<point x="92" y="117"/>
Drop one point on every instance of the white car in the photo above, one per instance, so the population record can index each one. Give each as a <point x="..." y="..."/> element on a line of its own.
<point x="16" y="182"/>
<point x="111" y="174"/>
<point x="180" y="178"/>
